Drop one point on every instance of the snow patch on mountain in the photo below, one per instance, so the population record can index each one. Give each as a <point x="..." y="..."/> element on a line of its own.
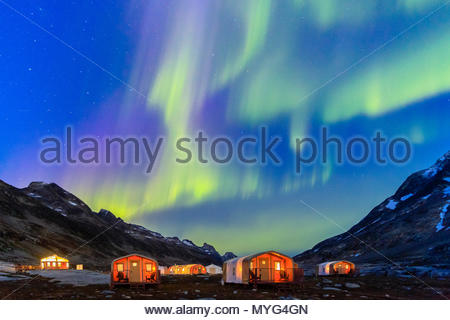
<point x="431" y="172"/>
<point x="34" y="195"/>
<point x="447" y="191"/>
<point x="406" y="197"/>
<point x="392" y="204"/>
<point x="188" y="243"/>
<point x="440" y="225"/>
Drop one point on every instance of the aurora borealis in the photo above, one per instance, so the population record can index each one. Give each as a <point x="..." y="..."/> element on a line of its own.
<point x="172" y="68"/>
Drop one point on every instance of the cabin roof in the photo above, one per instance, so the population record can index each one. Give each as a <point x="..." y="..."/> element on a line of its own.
<point x="187" y="265"/>
<point x="134" y="254"/>
<point x="332" y="262"/>
<point x="54" y="258"/>
<point x="255" y="255"/>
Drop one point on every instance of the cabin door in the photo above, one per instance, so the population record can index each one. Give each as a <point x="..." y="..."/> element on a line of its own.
<point x="135" y="271"/>
<point x="341" y="268"/>
<point x="265" y="269"/>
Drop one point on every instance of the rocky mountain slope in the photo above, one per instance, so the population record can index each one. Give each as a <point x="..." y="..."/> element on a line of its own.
<point x="43" y="219"/>
<point x="411" y="228"/>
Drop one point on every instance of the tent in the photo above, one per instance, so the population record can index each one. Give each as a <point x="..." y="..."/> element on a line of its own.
<point x="213" y="269"/>
<point x="163" y="270"/>
<point x="264" y="267"/>
<point x="134" y="269"/>
<point x="54" y="262"/>
<point x="341" y="267"/>
<point x="187" y="269"/>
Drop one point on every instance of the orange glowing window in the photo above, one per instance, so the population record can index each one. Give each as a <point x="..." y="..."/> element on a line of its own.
<point x="120" y="267"/>
<point x="263" y="262"/>
<point x="134" y="264"/>
<point x="42" y="265"/>
<point x="59" y="264"/>
<point x="346" y="266"/>
<point x="277" y="265"/>
<point x="149" y="267"/>
<point x="54" y="264"/>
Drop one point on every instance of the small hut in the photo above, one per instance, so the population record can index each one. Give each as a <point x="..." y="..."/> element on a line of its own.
<point x="163" y="270"/>
<point x="134" y="269"/>
<point x="54" y="262"/>
<point x="340" y="267"/>
<point x="187" y="269"/>
<point x="269" y="267"/>
<point x="213" y="269"/>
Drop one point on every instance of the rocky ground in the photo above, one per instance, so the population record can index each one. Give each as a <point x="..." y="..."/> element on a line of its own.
<point x="14" y="286"/>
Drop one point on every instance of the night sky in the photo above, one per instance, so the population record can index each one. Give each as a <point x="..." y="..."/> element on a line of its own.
<point x="172" y="68"/>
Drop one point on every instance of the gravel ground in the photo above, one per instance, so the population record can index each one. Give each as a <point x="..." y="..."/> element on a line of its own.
<point x="209" y="287"/>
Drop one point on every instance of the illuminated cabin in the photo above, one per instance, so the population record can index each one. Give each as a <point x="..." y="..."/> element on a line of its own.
<point x="340" y="267"/>
<point x="187" y="269"/>
<point x="268" y="267"/>
<point x="54" y="262"/>
<point x="134" y="269"/>
<point x="213" y="269"/>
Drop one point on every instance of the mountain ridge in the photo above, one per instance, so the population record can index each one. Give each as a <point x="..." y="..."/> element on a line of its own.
<point x="411" y="227"/>
<point x="43" y="218"/>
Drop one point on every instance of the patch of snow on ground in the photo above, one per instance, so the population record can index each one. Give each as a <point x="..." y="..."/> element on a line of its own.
<point x="77" y="278"/>
<point x="426" y="197"/>
<point x="12" y="277"/>
<point x="5" y="278"/>
<point x="447" y="179"/>
<point x="440" y="225"/>
<point x="406" y="197"/>
<point x="392" y="204"/>
<point x="73" y="203"/>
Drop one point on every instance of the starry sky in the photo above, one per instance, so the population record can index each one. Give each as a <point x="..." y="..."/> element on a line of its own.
<point x="171" y="68"/>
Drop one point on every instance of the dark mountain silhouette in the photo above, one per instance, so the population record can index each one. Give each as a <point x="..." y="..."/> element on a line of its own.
<point x="228" y="256"/>
<point x="43" y="219"/>
<point x="411" y="228"/>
